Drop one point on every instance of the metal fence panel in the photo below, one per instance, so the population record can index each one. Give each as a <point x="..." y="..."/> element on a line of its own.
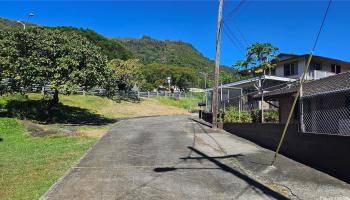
<point x="327" y="113"/>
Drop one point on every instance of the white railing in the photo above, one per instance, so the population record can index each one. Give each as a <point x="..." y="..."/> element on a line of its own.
<point x="317" y="74"/>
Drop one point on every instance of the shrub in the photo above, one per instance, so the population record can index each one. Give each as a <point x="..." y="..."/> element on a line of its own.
<point x="269" y="116"/>
<point x="232" y="115"/>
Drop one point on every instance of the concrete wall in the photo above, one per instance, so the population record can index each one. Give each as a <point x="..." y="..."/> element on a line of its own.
<point x="324" y="152"/>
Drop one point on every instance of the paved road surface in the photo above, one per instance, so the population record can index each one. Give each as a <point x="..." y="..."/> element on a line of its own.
<point x="177" y="158"/>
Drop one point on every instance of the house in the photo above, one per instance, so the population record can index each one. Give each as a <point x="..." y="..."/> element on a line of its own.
<point x="279" y="87"/>
<point x="324" y="106"/>
<point x="292" y="66"/>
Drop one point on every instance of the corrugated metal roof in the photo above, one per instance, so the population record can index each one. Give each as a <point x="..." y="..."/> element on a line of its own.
<point x="331" y="84"/>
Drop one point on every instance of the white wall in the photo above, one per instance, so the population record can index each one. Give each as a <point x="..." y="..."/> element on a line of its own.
<point x="326" y="66"/>
<point x="300" y="63"/>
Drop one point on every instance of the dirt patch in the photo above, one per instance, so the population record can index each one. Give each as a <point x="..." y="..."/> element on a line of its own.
<point x="37" y="130"/>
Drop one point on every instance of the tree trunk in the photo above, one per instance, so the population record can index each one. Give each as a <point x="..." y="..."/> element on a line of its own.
<point x="54" y="101"/>
<point x="55" y="98"/>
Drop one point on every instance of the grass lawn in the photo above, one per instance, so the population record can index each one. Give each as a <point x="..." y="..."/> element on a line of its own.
<point x="190" y="103"/>
<point x="28" y="165"/>
<point x="112" y="109"/>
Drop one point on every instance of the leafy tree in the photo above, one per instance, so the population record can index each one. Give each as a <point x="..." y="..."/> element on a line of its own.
<point x="47" y="56"/>
<point x="127" y="73"/>
<point x="156" y="75"/>
<point x="259" y="58"/>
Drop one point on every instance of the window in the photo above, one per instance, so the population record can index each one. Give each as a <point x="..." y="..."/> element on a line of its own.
<point x="336" y="68"/>
<point x="290" y="69"/>
<point x="316" y="66"/>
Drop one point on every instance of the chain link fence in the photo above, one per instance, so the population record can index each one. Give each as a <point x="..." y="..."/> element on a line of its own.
<point x="326" y="113"/>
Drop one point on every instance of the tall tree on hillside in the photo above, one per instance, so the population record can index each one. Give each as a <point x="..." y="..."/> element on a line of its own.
<point x="45" y="56"/>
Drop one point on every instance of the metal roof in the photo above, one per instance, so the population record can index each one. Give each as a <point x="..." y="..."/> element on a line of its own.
<point x="331" y="84"/>
<point x="251" y="81"/>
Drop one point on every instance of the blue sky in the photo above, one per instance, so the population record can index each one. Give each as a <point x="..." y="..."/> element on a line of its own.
<point x="289" y="25"/>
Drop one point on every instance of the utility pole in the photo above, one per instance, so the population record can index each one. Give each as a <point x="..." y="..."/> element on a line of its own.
<point x="217" y="67"/>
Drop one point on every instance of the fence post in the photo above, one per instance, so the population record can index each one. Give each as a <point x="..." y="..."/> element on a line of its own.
<point x="157" y="92"/>
<point x="138" y="94"/>
<point x="239" y="107"/>
<point x="301" y="104"/>
<point x="147" y="94"/>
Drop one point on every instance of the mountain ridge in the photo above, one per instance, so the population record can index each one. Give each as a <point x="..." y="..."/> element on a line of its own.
<point x="148" y="50"/>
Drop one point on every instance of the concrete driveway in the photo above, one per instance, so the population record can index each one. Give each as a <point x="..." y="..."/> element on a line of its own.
<point x="178" y="158"/>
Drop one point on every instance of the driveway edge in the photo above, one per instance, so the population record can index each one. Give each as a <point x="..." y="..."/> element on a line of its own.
<point x="52" y="187"/>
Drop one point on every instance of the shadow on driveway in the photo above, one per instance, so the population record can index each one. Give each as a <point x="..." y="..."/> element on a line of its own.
<point x="228" y="169"/>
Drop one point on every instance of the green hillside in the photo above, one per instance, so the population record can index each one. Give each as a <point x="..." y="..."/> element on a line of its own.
<point x="148" y="50"/>
<point x="6" y="23"/>
<point x="179" y="53"/>
<point x="111" y="48"/>
<point x="176" y="53"/>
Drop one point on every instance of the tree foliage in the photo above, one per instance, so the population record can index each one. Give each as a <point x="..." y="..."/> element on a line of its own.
<point x="259" y="58"/>
<point x="48" y="56"/>
<point x="127" y="73"/>
<point x="156" y="75"/>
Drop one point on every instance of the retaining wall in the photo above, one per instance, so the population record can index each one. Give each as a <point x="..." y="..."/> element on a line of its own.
<point x="327" y="153"/>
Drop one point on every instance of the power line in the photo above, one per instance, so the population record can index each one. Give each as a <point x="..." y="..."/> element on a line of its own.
<point x="235" y="9"/>
<point x="233" y="42"/>
<point x="301" y="83"/>
<point x="230" y="15"/>
<point x="244" y="38"/>
<point x="230" y="32"/>
<point x="322" y="24"/>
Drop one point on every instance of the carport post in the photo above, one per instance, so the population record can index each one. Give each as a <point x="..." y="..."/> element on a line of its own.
<point x="221" y="93"/>
<point x="240" y="105"/>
